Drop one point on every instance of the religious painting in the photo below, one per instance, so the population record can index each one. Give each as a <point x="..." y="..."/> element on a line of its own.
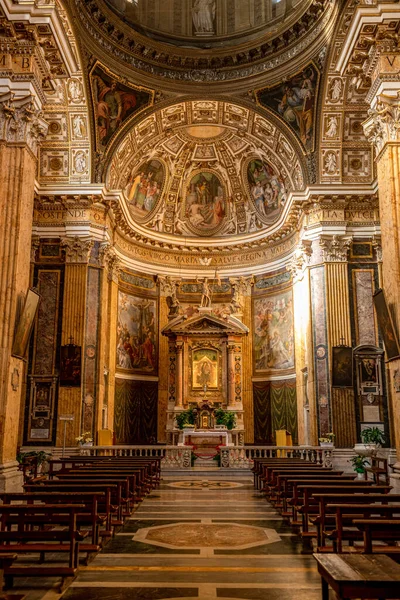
<point x="386" y="325"/>
<point x="205" y="202"/>
<point x="205" y="369"/>
<point x="342" y="367"/>
<point x="267" y="189"/>
<point x="295" y="102"/>
<point x="136" y="333"/>
<point x="144" y="187"/>
<point x="25" y="325"/>
<point x="114" y="102"/>
<point x="273" y="332"/>
<point x="70" y="365"/>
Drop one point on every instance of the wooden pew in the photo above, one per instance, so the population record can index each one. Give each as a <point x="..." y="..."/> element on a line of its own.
<point x="386" y="530"/>
<point x="304" y="503"/>
<point x="259" y="463"/>
<point x="270" y="473"/>
<point x="288" y="482"/>
<point x="42" y="540"/>
<point x="358" y="576"/>
<point x="324" y="516"/>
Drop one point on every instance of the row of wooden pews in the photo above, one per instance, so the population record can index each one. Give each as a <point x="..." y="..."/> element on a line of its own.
<point x="355" y="523"/>
<point x="73" y="512"/>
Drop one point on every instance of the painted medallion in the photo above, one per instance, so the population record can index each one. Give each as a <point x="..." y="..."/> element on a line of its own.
<point x="267" y="189"/>
<point x="205" y="202"/>
<point x="144" y="188"/>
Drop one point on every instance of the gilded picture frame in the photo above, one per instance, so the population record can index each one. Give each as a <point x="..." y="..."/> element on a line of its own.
<point x="386" y="325"/>
<point x="25" y="325"/>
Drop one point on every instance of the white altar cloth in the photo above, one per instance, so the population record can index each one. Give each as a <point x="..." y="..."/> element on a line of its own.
<point x="217" y="433"/>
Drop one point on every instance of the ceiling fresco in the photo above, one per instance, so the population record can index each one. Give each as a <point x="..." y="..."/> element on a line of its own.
<point x="205" y="168"/>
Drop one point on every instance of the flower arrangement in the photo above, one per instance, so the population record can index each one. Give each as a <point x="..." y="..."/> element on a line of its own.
<point x="85" y="438"/>
<point x="359" y="463"/>
<point x="329" y="438"/>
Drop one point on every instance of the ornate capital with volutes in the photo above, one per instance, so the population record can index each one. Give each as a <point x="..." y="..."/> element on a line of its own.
<point x="383" y="123"/>
<point x="300" y="260"/>
<point x="77" y="250"/>
<point x="110" y="260"/>
<point x="20" y="122"/>
<point x="335" y="248"/>
<point x="35" y="245"/>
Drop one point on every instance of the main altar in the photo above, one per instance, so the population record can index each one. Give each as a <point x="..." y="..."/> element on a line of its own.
<point x="205" y="374"/>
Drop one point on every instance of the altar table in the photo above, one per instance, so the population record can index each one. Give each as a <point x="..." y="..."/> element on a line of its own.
<point x="220" y="435"/>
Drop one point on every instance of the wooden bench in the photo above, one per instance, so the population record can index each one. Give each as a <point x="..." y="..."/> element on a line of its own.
<point x="42" y="539"/>
<point x="378" y="468"/>
<point x="325" y="515"/>
<point x="259" y="464"/>
<point x="383" y="530"/>
<point x="304" y="503"/>
<point x="358" y="576"/>
<point x="6" y="560"/>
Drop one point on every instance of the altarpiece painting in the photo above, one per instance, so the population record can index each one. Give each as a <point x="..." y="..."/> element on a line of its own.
<point x="136" y="333"/>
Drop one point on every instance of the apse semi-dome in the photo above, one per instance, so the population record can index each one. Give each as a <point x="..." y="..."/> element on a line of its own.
<point x="221" y="170"/>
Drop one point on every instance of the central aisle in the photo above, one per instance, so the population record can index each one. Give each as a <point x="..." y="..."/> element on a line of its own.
<point x="207" y="538"/>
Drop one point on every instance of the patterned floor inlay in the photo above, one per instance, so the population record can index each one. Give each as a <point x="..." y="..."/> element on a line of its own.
<point x="227" y="536"/>
<point x="206" y="484"/>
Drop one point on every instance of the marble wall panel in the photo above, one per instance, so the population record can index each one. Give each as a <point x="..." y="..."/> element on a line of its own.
<point x="90" y="358"/>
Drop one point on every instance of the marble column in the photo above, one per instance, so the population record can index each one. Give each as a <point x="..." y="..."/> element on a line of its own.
<point x="382" y="128"/>
<point x="179" y="373"/>
<point x="231" y="376"/>
<point x="73" y="327"/>
<point x="21" y="130"/>
<point x="335" y="251"/>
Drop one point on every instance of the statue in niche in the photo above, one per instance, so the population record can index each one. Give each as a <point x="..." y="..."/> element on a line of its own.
<point x="203" y="14"/>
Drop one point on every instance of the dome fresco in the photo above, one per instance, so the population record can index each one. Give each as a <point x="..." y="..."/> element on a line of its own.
<point x="206" y="22"/>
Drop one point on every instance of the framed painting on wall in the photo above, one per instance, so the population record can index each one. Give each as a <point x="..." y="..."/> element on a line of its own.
<point x="386" y="325"/>
<point x="342" y="367"/>
<point x="25" y="325"/>
<point x="70" y="366"/>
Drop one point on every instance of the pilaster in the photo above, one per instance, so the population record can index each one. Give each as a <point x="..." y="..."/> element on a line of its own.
<point x="335" y="252"/>
<point x="73" y="326"/>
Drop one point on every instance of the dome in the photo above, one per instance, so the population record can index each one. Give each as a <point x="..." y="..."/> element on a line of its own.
<point x="207" y="23"/>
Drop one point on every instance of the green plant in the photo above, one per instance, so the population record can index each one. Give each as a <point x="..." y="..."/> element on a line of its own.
<point x="219" y="416"/>
<point x="230" y="419"/>
<point x="181" y="419"/>
<point x="372" y="435"/>
<point x="40" y="455"/>
<point x="191" y="416"/>
<point x="359" y="463"/>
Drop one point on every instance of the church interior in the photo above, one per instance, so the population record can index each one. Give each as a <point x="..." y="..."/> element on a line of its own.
<point x="200" y="271"/>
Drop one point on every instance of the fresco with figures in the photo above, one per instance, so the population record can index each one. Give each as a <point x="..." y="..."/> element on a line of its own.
<point x="273" y="332"/>
<point x="144" y="187"/>
<point x="136" y="333"/>
<point x="205" y="202"/>
<point x="113" y="103"/>
<point x="295" y="102"/>
<point x="267" y="189"/>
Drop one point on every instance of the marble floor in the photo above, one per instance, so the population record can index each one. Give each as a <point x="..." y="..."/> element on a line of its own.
<point x="200" y="537"/>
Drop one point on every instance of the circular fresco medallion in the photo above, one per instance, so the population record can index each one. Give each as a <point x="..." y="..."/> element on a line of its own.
<point x="144" y="187"/>
<point x="205" y="205"/>
<point x="267" y="190"/>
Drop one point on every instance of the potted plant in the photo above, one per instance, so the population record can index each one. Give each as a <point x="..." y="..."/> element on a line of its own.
<point x="328" y="440"/>
<point x="359" y="463"/>
<point x="85" y="439"/>
<point x="220" y="418"/>
<point x="372" y="439"/>
<point x="191" y="416"/>
<point x="181" y="419"/>
<point x="230" y="420"/>
<point x="29" y="459"/>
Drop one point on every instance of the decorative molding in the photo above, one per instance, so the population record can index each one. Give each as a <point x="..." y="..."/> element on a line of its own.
<point x="335" y="248"/>
<point x="20" y="122"/>
<point x="383" y="123"/>
<point x="300" y="260"/>
<point x="76" y="250"/>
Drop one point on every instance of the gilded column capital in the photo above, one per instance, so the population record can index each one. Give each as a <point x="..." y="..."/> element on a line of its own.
<point x="110" y="260"/>
<point x="335" y="248"/>
<point x="383" y="123"/>
<point x="300" y="260"/>
<point x="77" y="250"/>
<point x="20" y="122"/>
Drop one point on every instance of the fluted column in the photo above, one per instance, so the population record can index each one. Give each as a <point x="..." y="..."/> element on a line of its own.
<point x="73" y="327"/>
<point x="21" y="129"/>
<point x="231" y="375"/>
<point x="335" y="250"/>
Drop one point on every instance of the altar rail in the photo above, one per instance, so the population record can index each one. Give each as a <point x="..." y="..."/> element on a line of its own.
<point x="232" y="457"/>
